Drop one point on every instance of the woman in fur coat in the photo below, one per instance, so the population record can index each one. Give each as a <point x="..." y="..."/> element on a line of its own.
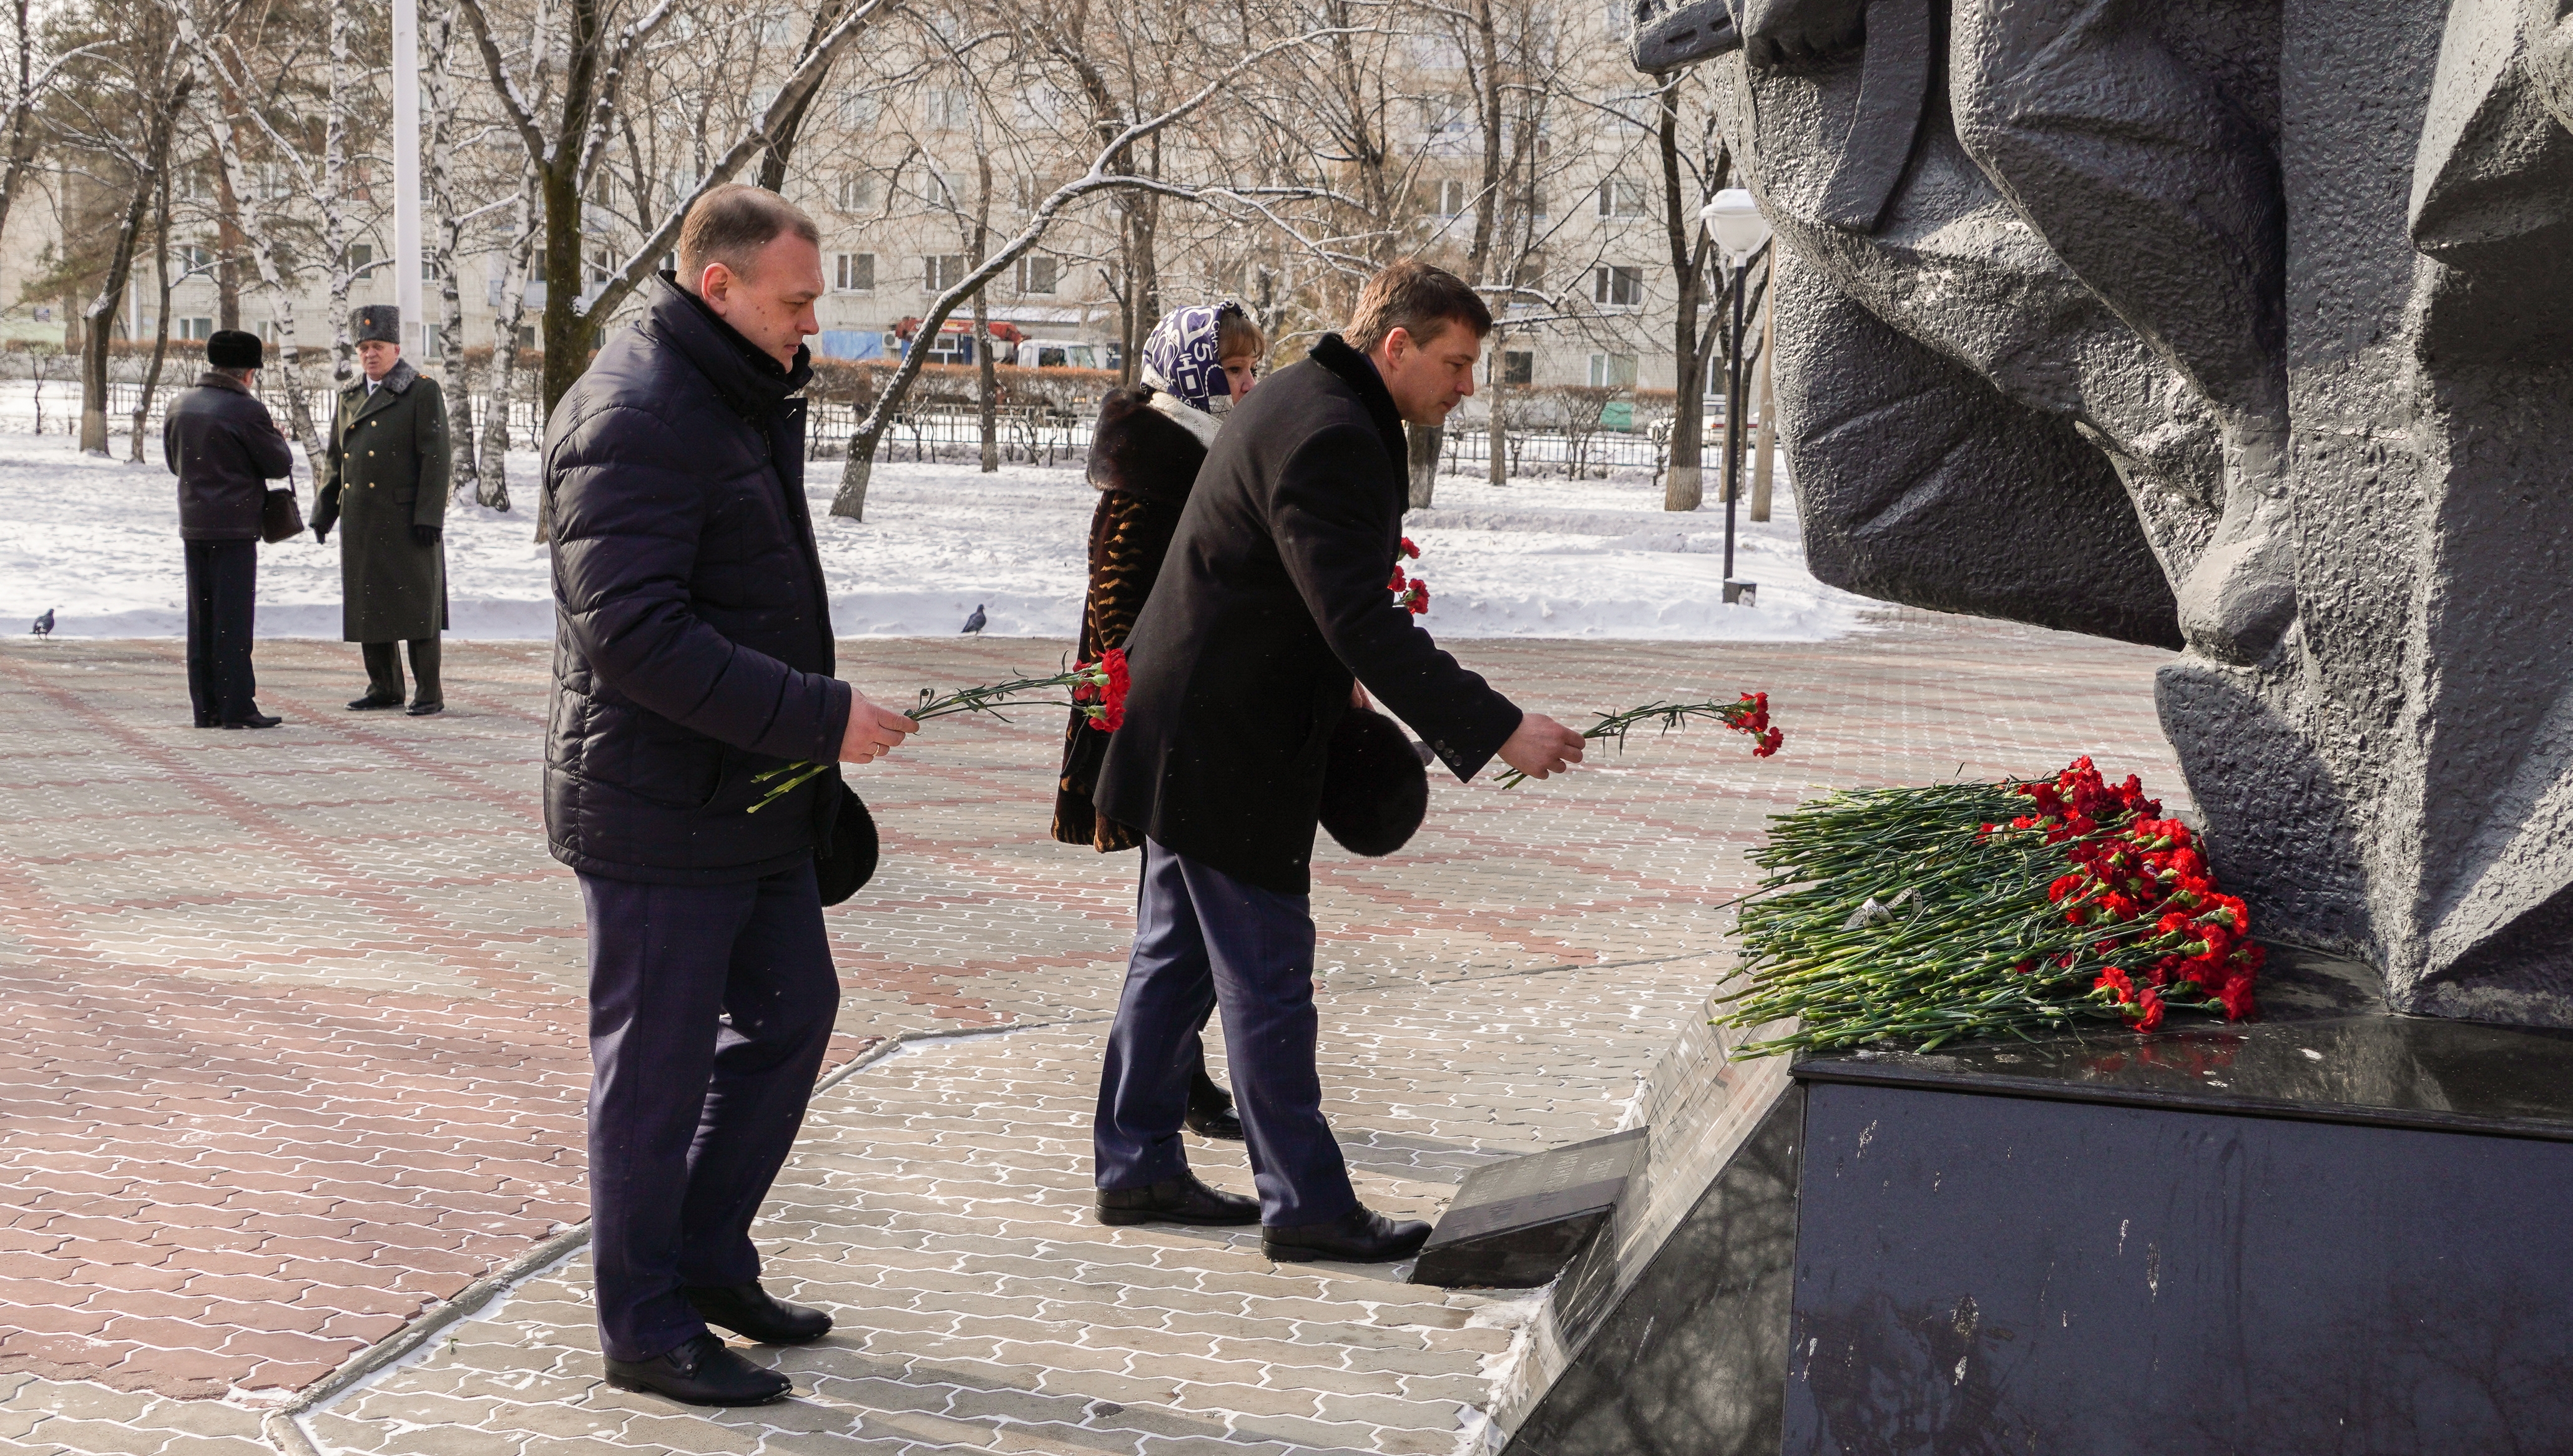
<point x="1144" y="456"/>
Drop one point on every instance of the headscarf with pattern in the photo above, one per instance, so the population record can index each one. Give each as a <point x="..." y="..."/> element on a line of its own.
<point x="1179" y="357"/>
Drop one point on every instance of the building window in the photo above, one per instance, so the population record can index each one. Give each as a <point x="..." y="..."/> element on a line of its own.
<point x="853" y="272"/>
<point x="1038" y="274"/>
<point x="1519" y="366"/>
<point x="857" y="111"/>
<point x="857" y="193"/>
<point x="948" y="108"/>
<point x="1612" y="371"/>
<point x="940" y="272"/>
<point x="1621" y="197"/>
<point x="196" y="329"/>
<point x="1453" y="197"/>
<point x="1614" y="287"/>
<point x="362" y="256"/>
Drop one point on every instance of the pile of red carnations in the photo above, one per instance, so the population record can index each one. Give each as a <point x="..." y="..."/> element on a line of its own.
<point x="1922" y="916"/>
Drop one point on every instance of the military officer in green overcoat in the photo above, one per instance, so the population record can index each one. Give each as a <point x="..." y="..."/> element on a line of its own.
<point x="386" y="479"/>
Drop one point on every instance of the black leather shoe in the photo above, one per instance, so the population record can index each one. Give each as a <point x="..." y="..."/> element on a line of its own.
<point x="423" y="710"/>
<point x="1362" y="1237"/>
<point x="255" y="720"/>
<point x="749" y="1310"/>
<point x="704" y="1371"/>
<point x="1210" y="1113"/>
<point x="373" y="701"/>
<point x="1182" y="1199"/>
<point x="210" y="722"/>
<point x="1222" y="1122"/>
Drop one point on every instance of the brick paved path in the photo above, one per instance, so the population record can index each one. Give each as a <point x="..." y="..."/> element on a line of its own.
<point x="298" y="1052"/>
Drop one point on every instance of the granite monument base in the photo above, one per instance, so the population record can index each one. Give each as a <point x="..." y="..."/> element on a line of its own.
<point x="2332" y="1230"/>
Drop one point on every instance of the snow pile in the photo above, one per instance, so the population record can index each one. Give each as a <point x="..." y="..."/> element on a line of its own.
<point x="97" y="540"/>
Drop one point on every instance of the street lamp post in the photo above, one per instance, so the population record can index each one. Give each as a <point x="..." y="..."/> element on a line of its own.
<point x="1743" y="235"/>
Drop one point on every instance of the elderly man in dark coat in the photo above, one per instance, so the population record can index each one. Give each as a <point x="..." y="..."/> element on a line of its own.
<point x="692" y="660"/>
<point x="1271" y="608"/>
<point x="386" y="479"/>
<point x="225" y="448"/>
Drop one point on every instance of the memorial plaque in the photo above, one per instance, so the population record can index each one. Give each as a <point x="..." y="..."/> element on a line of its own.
<point x="1514" y="1224"/>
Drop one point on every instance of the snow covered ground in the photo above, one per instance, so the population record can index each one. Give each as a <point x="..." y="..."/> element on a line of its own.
<point x="97" y="541"/>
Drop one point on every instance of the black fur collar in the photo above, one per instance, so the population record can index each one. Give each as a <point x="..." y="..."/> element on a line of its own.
<point x="1137" y="450"/>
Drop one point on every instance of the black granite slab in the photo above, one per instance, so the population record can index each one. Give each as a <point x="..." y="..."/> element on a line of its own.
<point x="2321" y="1051"/>
<point x="2334" y="1229"/>
<point x="1513" y="1225"/>
<point x="2002" y="1274"/>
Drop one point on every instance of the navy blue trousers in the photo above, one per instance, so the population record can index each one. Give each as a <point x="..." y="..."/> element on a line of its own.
<point x="710" y="1006"/>
<point x="1204" y="937"/>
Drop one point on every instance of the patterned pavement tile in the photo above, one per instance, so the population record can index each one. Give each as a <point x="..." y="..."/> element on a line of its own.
<point x="298" y="1051"/>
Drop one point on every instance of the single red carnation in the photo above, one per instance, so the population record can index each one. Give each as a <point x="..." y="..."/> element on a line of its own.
<point x="2151" y="1003"/>
<point x="1410" y="549"/>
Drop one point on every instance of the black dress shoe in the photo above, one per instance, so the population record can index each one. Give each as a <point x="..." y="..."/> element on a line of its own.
<point x="1210" y="1113"/>
<point x="704" y="1371"/>
<point x="749" y="1310"/>
<point x="1363" y="1237"/>
<point x="206" y="720"/>
<point x="1182" y="1199"/>
<point x="373" y="701"/>
<point x="1222" y="1122"/>
<point x="255" y="720"/>
<point x="423" y="710"/>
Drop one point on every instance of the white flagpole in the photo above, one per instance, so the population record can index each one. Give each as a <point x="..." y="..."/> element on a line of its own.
<point x="406" y="260"/>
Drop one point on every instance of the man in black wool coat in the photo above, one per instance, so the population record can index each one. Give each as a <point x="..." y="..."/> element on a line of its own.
<point x="1271" y="610"/>
<point x="692" y="654"/>
<point x="225" y="448"/>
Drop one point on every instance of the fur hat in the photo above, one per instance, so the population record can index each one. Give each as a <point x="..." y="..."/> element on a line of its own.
<point x="378" y="323"/>
<point x="1375" y="790"/>
<point x="851" y="862"/>
<point x="231" y="349"/>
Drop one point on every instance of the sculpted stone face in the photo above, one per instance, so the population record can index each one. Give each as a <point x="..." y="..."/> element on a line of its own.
<point x="2228" y="325"/>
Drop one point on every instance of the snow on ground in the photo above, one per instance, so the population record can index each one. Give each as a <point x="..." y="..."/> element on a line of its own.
<point x="97" y="541"/>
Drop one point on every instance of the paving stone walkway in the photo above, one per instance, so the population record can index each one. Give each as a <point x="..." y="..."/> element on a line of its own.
<point x="298" y="1051"/>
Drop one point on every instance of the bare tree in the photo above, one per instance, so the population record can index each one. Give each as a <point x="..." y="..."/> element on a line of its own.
<point x="121" y="115"/>
<point x="567" y="149"/>
<point x="1689" y="258"/>
<point x="161" y="328"/>
<point x="1102" y="177"/>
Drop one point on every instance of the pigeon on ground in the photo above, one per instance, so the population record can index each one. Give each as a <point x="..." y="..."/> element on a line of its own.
<point x="978" y="621"/>
<point x="45" y="624"/>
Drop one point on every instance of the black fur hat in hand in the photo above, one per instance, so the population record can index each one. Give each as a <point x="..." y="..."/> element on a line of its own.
<point x="1376" y="790"/>
<point x="850" y="860"/>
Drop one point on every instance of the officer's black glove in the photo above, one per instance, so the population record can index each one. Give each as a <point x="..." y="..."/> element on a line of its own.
<point x="423" y="536"/>
<point x="321" y="532"/>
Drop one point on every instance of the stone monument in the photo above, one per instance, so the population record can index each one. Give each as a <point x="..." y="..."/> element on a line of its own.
<point x="2242" y="328"/>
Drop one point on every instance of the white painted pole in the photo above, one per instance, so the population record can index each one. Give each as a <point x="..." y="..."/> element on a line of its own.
<point x="406" y="171"/>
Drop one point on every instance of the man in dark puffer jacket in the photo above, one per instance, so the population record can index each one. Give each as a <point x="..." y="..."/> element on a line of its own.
<point x="692" y="653"/>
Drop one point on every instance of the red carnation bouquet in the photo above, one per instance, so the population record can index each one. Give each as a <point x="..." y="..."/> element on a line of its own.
<point x="1925" y="914"/>
<point x="1096" y="689"/>
<point x="1747" y="714"/>
<point x="1410" y="593"/>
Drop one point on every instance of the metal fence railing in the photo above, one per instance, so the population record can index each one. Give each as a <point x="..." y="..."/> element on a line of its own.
<point x="46" y="396"/>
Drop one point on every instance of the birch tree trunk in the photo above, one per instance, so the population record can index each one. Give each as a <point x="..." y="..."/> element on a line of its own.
<point x="438" y="119"/>
<point x="505" y="324"/>
<point x="331" y="194"/>
<point x="272" y="279"/>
